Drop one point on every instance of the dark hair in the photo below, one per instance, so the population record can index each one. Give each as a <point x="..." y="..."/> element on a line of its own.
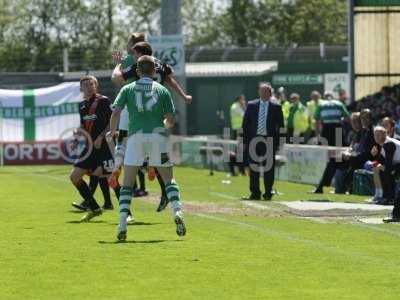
<point x="135" y="38"/>
<point x="143" y="48"/>
<point x="87" y="78"/>
<point x="390" y="120"/>
<point x="146" y="65"/>
<point x="366" y="112"/>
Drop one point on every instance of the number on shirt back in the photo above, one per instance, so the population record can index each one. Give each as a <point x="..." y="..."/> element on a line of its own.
<point x="108" y="165"/>
<point x="153" y="99"/>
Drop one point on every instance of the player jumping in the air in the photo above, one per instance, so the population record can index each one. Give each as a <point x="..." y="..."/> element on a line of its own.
<point x="151" y="111"/>
<point x="164" y="74"/>
<point x="96" y="159"/>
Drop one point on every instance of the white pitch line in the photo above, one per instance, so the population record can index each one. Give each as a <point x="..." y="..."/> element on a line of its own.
<point x="379" y="229"/>
<point x="225" y="196"/>
<point x="293" y="238"/>
<point x="260" y="206"/>
<point x="393" y="233"/>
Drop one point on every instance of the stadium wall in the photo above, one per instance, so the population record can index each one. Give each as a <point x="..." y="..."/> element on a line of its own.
<point x="209" y="113"/>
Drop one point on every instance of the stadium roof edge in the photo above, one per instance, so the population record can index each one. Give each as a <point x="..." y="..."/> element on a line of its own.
<point x="201" y="69"/>
<point x="230" y="69"/>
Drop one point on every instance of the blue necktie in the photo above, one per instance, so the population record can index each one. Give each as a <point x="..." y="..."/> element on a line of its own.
<point x="261" y="119"/>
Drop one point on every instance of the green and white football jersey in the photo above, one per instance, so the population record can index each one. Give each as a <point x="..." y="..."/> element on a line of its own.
<point x="127" y="62"/>
<point x="148" y="102"/>
<point x="330" y="111"/>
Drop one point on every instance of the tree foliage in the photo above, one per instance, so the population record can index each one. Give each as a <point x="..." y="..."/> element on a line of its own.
<point x="33" y="33"/>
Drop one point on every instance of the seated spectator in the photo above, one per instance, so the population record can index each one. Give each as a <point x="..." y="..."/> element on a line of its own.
<point x="387" y="160"/>
<point x="389" y="124"/>
<point x="378" y="198"/>
<point x="334" y="165"/>
<point x="363" y="150"/>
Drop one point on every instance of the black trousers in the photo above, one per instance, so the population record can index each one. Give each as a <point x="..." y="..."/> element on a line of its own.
<point x="389" y="188"/>
<point x="329" y="133"/>
<point x="355" y="163"/>
<point x="330" y="171"/>
<point x="234" y="163"/>
<point x="262" y="162"/>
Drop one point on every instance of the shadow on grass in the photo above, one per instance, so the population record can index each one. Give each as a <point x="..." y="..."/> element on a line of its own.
<point x="331" y="201"/>
<point x="77" y="211"/>
<point x="79" y="222"/>
<point x="138" y="224"/>
<point x="318" y="200"/>
<point x="137" y="242"/>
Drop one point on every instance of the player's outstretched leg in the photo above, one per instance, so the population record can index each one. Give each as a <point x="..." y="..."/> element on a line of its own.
<point x="125" y="200"/>
<point x="164" y="199"/>
<point x="174" y="198"/>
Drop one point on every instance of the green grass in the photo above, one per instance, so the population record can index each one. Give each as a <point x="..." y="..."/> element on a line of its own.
<point x="46" y="254"/>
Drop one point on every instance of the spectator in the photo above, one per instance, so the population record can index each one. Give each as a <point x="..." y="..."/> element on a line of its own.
<point x="328" y="95"/>
<point x="281" y="95"/>
<point x="297" y="120"/>
<point x="329" y="115"/>
<point x="378" y="198"/>
<point x="363" y="150"/>
<point x="389" y="125"/>
<point x="343" y="97"/>
<point x="387" y="155"/>
<point x="333" y="165"/>
<point x="237" y="112"/>
<point x="311" y="108"/>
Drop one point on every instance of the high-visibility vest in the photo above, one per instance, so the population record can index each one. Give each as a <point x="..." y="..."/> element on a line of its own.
<point x="300" y="120"/>
<point x="311" y="107"/>
<point x="285" y="110"/>
<point x="237" y="114"/>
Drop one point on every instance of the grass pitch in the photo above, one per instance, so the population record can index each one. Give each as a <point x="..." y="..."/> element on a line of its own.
<point x="232" y="254"/>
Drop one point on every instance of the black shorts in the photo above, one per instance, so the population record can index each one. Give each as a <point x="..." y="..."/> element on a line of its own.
<point x="101" y="157"/>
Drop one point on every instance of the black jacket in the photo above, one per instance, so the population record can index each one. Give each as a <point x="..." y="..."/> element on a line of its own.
<point x="274" y="121"/>
<point x="367" y="141"/>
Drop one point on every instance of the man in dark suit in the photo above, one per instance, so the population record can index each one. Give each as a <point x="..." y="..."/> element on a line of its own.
<point x="261" y="129"/>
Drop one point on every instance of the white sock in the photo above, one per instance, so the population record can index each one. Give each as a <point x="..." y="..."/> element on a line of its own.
<point x="125" y="200"/>
<point x="379" y="193"/>
<point x="176" y="207"/>
<point x="123" y="221"/>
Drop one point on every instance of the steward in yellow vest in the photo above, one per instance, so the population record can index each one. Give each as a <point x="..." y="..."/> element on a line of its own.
<point x="297" y="120"/>
<point x="237" y="112"/>
<point x="311" y="107"/>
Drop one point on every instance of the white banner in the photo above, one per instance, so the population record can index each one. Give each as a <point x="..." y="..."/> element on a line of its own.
<point x="170" y="49"/>
<point x="39" y="114"/>
<point x="335" y="82"/>
<point x="306" y="163"/>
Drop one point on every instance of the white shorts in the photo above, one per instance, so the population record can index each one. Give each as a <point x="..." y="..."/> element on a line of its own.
<point x="153" y="146"/>
<point x="124" y="120"/>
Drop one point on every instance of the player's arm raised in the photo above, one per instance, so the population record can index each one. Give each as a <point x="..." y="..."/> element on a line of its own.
<point x="117" y="76"/>
<point x="174" y="84"/>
